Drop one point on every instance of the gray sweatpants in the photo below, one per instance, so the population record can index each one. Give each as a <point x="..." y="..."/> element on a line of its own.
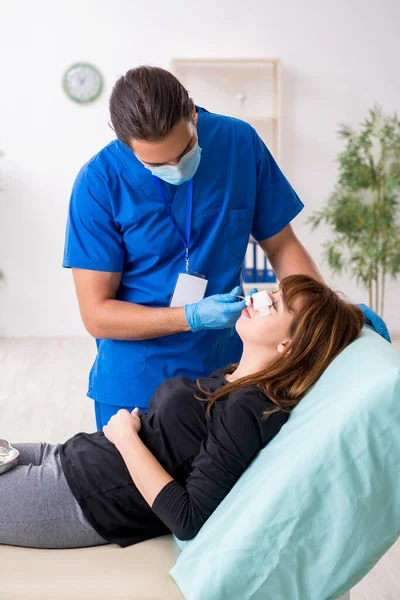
<point x="37" y="508"/>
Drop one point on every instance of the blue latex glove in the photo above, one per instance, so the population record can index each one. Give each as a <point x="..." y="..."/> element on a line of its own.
<point x="374" y="320"/>
<point x="215" y="312"/>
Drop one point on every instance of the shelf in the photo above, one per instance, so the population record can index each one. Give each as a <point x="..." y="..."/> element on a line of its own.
<point x="259" y="119"/>
<point x="245" y="88"/>
<point x="256" y="120"/>
<point x="224" y="61"/>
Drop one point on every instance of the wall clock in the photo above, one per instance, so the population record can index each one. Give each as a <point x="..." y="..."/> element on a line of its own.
<point x="82" y="82"/>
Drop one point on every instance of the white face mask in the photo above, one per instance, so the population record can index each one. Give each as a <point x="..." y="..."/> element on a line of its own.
<point x="183" y="171"/>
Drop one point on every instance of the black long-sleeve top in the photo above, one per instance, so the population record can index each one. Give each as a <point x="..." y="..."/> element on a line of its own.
<point x="204" y="456"/>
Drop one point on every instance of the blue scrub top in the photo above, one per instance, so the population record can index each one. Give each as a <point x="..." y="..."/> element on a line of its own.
<point x="118" y="222"/>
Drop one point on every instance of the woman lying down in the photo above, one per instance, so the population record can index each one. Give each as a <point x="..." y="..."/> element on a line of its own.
<point x="146" y="475"/>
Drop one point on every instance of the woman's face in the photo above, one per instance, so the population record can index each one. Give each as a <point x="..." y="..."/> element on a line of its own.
<point x="271" y="331"/>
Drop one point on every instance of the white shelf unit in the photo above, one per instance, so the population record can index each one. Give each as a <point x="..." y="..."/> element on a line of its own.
<point x="246" y="88"/>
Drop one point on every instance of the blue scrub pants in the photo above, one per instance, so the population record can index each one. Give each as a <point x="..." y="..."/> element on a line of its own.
<point x="104" y="412"/>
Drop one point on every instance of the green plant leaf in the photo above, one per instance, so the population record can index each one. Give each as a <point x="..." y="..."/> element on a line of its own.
<point x="363" y="209"/>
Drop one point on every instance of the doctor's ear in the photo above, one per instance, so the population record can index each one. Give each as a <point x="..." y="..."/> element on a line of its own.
<point x="282" y="346"/>
<point x="195" y="115"/>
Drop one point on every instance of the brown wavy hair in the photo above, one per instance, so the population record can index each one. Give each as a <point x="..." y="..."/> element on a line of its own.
<point x="323" y="324"/>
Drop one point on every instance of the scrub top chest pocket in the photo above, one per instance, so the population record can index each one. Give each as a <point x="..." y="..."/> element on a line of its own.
<point x="239" y="224"/>
<point x="154" y="246"/>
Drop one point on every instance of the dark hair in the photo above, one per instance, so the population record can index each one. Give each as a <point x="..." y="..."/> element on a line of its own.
<point x="323" y="325"/>
<point x="146" y="103"/>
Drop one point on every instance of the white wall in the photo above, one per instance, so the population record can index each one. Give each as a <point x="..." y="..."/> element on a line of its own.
<point x="339" y="58"/>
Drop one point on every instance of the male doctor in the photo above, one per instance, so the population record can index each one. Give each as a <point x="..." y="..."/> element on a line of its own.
<point x="158" y="226"/>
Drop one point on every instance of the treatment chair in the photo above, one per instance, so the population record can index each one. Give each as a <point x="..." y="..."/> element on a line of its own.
<point x="310" y="517"/>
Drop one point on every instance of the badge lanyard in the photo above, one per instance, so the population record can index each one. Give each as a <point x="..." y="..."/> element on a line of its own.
<point x="186" y="241"/>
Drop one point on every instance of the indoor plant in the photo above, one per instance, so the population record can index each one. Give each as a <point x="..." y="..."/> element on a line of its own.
<point x="363" y="210"/>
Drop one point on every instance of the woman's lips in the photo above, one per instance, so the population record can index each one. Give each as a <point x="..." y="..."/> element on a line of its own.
<point x="246" y="314"/>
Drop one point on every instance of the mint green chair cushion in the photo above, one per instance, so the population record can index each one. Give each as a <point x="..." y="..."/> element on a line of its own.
<point x="320" y="505"/>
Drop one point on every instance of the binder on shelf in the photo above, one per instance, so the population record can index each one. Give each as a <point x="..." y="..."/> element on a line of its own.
<point x="256" y="268"/>
<point x="249" y="268"/>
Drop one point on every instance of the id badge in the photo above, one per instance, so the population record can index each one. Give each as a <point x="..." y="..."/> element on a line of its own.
<point x="189" y="288"/>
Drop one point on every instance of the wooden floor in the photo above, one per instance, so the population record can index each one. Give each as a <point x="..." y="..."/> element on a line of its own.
<point x="43" y="384"/>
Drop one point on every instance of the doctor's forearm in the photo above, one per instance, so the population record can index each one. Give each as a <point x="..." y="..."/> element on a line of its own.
<point x="294" y="259"/>
<point x="118" y="320"/>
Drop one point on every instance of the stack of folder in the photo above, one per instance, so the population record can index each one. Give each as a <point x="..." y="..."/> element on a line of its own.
<point x="256" y="268"/>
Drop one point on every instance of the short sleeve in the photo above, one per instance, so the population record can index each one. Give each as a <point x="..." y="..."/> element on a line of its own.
<point x="277" y="203"/>
<point x="92" y="239"/>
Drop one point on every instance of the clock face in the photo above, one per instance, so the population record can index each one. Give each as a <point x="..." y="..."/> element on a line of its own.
<point x="82" y="82"/>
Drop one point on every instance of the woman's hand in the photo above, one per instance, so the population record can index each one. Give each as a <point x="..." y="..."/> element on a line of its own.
<point x="122" y="425"/>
